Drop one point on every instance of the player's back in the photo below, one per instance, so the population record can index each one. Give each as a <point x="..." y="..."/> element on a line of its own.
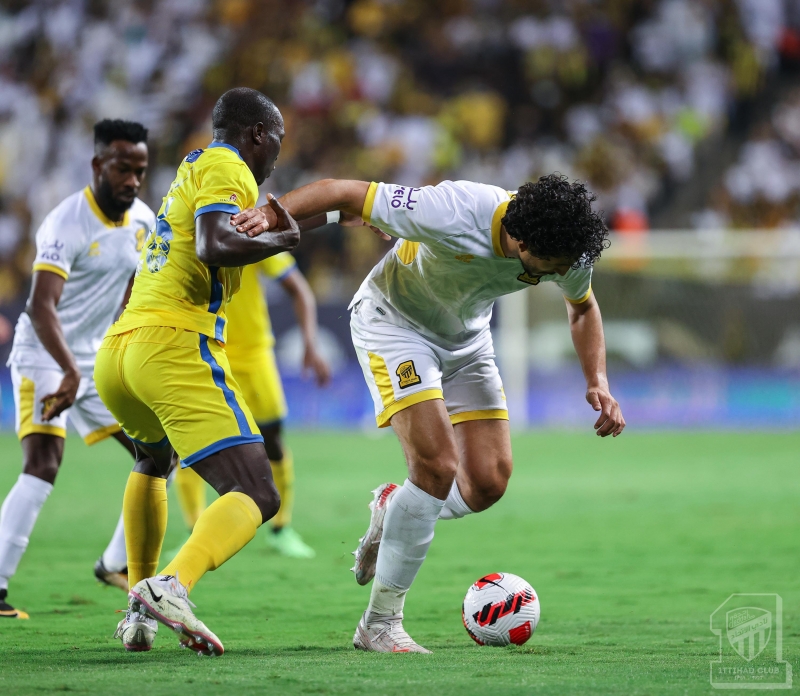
<point x="173" y="287"/>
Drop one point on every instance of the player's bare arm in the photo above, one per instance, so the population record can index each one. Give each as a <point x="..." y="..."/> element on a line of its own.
<point x="41" y="307"/>
<point x="586" y="326"/>
<point x="313" y="199"/>
<point x="305" y="309"/>
<point x="218" y="244"/>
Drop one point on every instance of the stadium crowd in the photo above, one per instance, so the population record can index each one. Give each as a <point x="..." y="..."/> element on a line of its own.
<point x="621" y="93"/>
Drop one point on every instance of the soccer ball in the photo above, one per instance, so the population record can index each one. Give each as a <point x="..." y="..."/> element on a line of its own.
<point x="499" y="609"/>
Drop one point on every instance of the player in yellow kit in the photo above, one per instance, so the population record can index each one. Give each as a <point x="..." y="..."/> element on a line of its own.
<point x="252" y="359"/>
<point x="163" y="372"/>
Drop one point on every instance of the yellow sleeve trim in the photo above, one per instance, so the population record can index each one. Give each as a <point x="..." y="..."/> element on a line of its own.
<point x="101" y="434"/>
<point x="583" y="299"/>
<point x="384" y="417"/>
<point x="497" y="225"/>
<point x="491" y="414"/>
<point x="369" y="201"/>
<point x="50" y="268"/>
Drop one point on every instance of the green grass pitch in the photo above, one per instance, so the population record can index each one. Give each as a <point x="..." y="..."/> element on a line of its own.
<point x="630" y="543"/>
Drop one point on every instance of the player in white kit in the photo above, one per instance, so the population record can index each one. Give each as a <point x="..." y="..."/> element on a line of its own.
<point x="420" y="326"/>
<point x="86" y="253"/>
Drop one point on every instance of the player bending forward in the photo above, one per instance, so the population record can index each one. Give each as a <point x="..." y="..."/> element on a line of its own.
<point x="163" y="372"/>
<point x="86" y="252"/>
<point x="420" y="326"/>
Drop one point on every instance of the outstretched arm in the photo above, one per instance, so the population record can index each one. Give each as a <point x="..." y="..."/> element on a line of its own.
<point x="218" y="244"/>
<point x="586" y="326"/>
<point x="41" y="308"/>
<point x="308" y="201"/>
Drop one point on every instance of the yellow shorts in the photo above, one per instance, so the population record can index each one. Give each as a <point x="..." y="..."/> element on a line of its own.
<point x="172" y="386"/>
<point x="257" y="376"/>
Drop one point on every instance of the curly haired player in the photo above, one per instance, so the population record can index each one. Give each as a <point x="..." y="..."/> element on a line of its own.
<point x="420" y="326"/>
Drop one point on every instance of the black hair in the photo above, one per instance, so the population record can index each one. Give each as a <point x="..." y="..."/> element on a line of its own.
<point x="241" y="108"/>
<point x="554" y="218"/>
<point x="108" y="130"/>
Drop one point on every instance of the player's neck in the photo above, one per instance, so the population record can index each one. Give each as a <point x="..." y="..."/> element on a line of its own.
<point x="108" y="208"/>
<point x="509" y="246"/>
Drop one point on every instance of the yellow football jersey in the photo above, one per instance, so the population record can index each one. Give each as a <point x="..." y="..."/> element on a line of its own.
<point x="173" y="287"/>
<point x="249" y="329"/>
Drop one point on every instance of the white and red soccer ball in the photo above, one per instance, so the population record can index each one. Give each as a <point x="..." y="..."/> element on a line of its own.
<point x="500" y="609"/>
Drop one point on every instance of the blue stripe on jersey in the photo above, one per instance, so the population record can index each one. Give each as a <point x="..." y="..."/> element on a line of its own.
<point x="215" y="302"/>
<point x="226" y="146"/>
<point x="216" y="291"/>
<point x="218" y="375"/>
<point x="218" y="446"/>
<point x="217" y="207"/>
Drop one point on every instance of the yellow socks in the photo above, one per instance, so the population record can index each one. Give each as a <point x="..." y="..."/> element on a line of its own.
<point x="191" y="495"/>
<point x="226" y="526"/>
<point x="283" y="473"/>
<point x="144" y="510"/>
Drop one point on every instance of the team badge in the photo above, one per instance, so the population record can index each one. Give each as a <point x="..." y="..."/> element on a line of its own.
<point x="749" y="630"/>
<point x="529" y="279"/>
<point x="407" y="374"/>
<point x="232" y="198"/>
<point x="465" y="258"/>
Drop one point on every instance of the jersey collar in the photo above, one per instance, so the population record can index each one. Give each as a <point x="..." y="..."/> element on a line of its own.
<point x="497" y="225"/>
<point x="216" y="143"/>
<point x="100" y="215"/>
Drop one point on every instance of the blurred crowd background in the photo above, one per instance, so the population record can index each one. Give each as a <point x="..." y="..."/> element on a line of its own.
<point x="679" y="113"/>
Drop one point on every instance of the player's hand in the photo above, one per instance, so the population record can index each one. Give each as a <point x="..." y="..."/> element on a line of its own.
<point x="286" y="225"/>
<point x="314" y="362"/>
<point x="255" y="221"/>
<point x="611" y="421"/>
<point x="350" y="220"/>
<point x="61" y="399"/>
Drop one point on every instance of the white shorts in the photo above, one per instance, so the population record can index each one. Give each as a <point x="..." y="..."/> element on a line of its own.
<point x="403" y="368"/>
<point x="88" y="414"/>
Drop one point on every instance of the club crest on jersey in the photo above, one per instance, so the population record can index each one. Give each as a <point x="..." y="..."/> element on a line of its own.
<point x="232" y="198"/>
<point x="407" y="374"/>
<point x="158" y="245"/>
<point x="529" y="279"/>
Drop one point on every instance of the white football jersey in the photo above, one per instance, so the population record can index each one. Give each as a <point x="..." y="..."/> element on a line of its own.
<point x="448" y="267"/>
<point x="97" y="257"/>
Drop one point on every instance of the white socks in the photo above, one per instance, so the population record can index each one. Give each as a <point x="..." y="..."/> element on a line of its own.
<point x="17" y="517"/>
<point x="407" y="534"/>
<point x="115" y="557"/>
<point x="454" y="506"/>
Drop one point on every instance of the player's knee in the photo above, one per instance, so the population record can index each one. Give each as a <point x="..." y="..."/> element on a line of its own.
<point x="492" y="487"/>
<point x="440" y="470"/>
<point x="268" y="500"/>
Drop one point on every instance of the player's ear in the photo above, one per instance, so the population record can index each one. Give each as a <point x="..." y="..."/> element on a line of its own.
<point x="258" y="133"/>
<point x="97" y="164"/>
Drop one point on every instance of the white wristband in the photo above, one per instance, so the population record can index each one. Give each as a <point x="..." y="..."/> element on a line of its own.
<point x="333" y="216"/>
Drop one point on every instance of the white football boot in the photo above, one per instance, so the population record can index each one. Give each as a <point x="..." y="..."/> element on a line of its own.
<point x="137" y="631"/>
<point x="165" y="599"/>
<point x="367" y="552"/>
<point x="385" y="634"/>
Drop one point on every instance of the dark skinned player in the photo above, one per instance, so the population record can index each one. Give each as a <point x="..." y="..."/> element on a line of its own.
<point x="86" y="253"/>
<point x="163" y="372"/>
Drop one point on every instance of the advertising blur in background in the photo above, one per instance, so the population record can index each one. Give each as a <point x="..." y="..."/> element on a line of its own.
<point x="683" y="117"/>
